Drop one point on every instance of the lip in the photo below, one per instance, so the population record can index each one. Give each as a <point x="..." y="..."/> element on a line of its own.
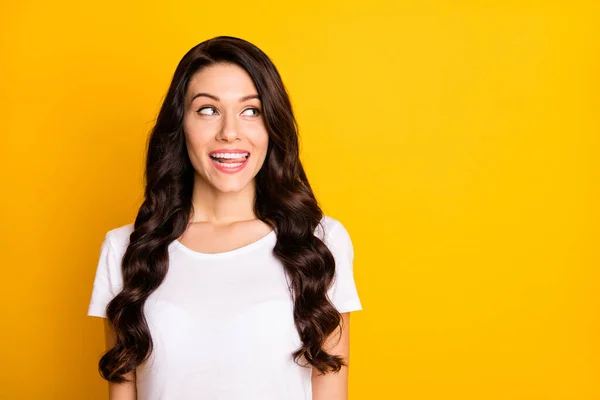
<point x="236" y="151"/>
<point x="228" y="170"/>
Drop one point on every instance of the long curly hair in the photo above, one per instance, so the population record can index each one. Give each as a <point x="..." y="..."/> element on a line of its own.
<point x="284" y="200"/>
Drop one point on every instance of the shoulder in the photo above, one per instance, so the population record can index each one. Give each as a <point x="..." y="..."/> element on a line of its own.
<point x="332" y="231"/>
<point x="118" y="237"/>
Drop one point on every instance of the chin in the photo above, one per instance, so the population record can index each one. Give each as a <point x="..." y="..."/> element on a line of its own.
<point x="233" y="187"/>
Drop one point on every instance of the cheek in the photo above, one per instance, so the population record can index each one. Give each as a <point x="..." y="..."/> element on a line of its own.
<point x="196" y="138"/>
<point x="262" y="148"/>
<point x="260" y="139"/>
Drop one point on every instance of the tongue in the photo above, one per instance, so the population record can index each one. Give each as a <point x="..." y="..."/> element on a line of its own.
<point x="231" y="160"/>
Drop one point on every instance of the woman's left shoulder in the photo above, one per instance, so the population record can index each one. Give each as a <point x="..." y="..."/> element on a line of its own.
<point x="329" y="226"/>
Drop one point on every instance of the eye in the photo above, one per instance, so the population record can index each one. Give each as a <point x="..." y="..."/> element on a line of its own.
<point x="254" y="111"/>
<point x="207" y="110"/>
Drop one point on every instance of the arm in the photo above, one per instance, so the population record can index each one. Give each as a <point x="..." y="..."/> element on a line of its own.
<point x="334" y="386"/>
<point x="119" y="391"/>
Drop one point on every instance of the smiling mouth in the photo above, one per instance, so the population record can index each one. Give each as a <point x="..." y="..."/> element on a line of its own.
<point x="230" y="160"/>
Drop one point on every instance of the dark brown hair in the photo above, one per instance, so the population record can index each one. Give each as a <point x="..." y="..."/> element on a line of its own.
<point x="284" y="200"/>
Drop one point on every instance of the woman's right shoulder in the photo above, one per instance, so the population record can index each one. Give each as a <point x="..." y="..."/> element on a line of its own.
<point x="119" y="236"/>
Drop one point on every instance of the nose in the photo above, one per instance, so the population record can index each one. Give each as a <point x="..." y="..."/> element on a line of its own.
<point x="228" y="131"/>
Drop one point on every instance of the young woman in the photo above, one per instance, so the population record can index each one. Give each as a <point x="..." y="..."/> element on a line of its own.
<point x="231" y="283"/>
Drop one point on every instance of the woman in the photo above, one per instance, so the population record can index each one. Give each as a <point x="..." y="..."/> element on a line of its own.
<point x="231" y="283"/>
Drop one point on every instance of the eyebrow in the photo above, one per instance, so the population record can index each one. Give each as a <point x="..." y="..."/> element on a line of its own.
<point x="215" y="98"/>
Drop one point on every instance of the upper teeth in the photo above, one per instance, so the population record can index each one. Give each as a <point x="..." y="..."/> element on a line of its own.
<point x="229" y="155"/>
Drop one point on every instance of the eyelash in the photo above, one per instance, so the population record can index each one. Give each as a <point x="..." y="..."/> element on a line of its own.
<point x="250" y="108"/>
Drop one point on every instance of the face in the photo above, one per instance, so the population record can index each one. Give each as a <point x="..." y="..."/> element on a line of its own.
<point x="224" y="128"/>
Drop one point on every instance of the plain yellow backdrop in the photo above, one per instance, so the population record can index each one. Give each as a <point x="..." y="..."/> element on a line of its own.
<point x="458" y="141"/>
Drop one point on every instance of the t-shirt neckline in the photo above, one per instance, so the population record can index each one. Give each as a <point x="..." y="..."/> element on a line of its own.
<point x="229" y="253"/>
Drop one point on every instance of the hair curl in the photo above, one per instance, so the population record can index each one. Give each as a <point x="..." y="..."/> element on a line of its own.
<point x="284" y="200"/>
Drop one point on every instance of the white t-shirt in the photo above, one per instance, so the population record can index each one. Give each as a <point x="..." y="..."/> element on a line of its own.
<point x="222" y="324"/>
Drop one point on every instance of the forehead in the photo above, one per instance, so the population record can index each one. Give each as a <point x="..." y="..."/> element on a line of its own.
<point x="222" y="80"/>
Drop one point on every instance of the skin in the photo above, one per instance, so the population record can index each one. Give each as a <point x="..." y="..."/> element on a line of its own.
<point x="222" y="110"/>
<point x="334" y="386"/>
<point x="119" y="391"/>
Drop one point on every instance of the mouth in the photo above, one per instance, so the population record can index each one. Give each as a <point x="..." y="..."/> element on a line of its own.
<point x="229" y="162"/>
<point x="229" y="158"/>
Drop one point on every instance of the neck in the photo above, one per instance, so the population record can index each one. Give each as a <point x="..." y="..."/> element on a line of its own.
<point x="221" y="208"/>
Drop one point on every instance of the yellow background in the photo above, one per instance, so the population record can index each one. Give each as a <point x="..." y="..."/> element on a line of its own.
<point x="457" y="141"/>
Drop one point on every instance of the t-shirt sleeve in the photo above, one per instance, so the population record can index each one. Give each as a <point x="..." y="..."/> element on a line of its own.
<point x="343" y="292"/>
<point x="108" y="279"/>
